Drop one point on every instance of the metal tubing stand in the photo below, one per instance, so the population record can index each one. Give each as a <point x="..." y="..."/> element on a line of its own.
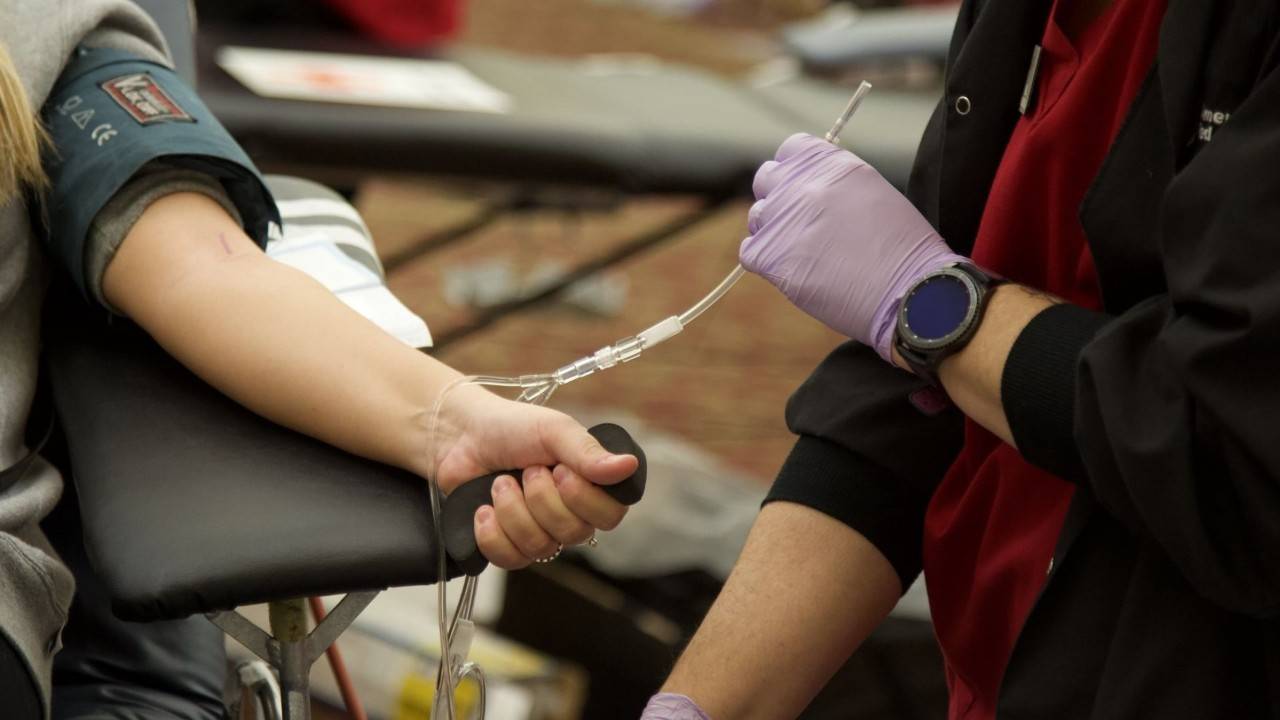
<point x="289" y="649"/>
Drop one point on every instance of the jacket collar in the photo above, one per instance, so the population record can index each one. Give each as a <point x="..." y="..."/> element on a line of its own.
<point x="1184" y="39"/>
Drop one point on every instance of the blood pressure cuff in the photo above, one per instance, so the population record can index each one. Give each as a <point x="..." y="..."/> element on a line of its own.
<point x="110" y="114"/>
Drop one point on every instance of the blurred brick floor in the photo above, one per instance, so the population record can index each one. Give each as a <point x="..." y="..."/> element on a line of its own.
<point x="723" y="383"/>
<point x="728" y="36"/>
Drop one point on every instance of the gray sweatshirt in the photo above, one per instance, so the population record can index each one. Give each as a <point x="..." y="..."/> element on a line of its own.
<point x="35" y="588"/>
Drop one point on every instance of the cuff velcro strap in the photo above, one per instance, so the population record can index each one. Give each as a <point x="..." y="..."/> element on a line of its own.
<point x="111" y="114"/>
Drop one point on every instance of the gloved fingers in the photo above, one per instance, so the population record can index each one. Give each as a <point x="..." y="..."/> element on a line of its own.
<point x="587" y="500"/>
<point x="549" y="510"/>
<point x="799" y="144"/>
<point x="755" y="253"/>
<point x="517" y="522"/>
<point x="494" y="543"/>
<point x="778" y="281"/>
<point x="800" y="157"/>
<point x="769" y="224"/>
<point x="755" y="217"/>
<point x="749" y="254"/>
<point x="767" y="178"/>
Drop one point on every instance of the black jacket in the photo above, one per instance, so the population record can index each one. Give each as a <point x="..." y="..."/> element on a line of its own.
<point x="1165" y="410"/>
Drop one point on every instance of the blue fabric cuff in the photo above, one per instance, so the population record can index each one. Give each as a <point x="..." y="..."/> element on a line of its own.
<point x="110" y="114"/>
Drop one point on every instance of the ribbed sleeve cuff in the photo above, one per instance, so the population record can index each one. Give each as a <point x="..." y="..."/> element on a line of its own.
<point x="834" y="481"/>
<point x="1038" y="387"/>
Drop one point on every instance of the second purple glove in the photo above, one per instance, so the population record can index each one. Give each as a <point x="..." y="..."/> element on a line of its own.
<point x="838" y="240"/>
<point x="670" y="706"/>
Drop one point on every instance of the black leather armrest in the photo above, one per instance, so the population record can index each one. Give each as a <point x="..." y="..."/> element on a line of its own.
<point x="191" y="503"/>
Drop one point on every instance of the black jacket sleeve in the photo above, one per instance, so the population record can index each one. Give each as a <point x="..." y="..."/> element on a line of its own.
<point x="874" y="442"/>
<point x="1173" y="414"/>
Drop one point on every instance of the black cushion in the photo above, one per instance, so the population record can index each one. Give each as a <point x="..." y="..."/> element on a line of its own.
<point x="192" y="504"/>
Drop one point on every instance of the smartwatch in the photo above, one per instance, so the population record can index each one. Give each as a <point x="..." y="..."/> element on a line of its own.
<point x="940" y="314"/>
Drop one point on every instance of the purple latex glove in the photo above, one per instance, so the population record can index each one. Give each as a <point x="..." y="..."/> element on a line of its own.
<point x="838" y="240"/>
<point x="670" y="706"/>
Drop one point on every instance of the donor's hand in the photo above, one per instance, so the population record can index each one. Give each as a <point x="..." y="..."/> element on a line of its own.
<point x="560" y="502"/>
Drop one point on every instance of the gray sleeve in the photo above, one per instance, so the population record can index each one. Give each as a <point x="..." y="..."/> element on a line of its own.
<point x="40" y="35"/>
<point x="114" y="221"/>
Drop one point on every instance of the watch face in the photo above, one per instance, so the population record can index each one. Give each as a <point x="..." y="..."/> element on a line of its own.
<point x="938" y="309"/>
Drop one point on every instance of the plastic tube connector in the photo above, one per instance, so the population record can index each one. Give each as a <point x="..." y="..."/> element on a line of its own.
<point x="629" y="349"/>
<point x="661" y="332"/>
<point x="457" y="649"/>
<point x="608" y="356"/>
<point x="460" y="643"/>
<point x="575" y="370"/>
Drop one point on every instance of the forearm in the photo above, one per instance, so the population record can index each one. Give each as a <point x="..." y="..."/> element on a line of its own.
<point x="804" y="594"/>
<point x="972" y="376"/>
<point x="271" y="337"/>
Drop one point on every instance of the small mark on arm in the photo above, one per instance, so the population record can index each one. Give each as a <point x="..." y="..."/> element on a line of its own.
<point x="222" y="238"/>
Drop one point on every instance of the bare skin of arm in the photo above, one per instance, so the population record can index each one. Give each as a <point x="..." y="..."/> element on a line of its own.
<point x="278" y="342"/>
<point x="972" y="376"/>
<point x="805" y="593"/>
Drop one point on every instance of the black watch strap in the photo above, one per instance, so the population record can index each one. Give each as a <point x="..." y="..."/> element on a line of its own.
<point x="919" y="364"/>
<point x="924" y="363"/>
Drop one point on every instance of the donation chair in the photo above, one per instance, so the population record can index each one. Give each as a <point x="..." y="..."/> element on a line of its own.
<point x="191" y="504"/>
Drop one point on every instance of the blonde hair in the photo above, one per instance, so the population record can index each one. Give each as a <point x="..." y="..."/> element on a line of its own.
<point x="21" y="135"/>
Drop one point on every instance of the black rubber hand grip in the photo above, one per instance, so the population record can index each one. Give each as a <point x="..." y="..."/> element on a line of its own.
<point x="461" y="505"/>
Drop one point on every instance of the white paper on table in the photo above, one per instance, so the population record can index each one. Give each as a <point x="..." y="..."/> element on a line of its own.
<point x="354" y="284"/>
<point x="361" y="79"/>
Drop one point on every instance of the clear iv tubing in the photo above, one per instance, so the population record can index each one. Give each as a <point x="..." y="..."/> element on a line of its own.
<point x="629" y="349"/>
<point x="537" y="390"/>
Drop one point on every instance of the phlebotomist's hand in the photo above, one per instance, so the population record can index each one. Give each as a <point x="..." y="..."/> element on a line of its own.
<point x="561" y="502"/>
<point x="838" y="240"/>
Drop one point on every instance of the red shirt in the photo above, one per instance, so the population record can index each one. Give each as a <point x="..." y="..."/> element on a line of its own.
<point x="993" y="523"/>
<point x="406" y="23"/>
